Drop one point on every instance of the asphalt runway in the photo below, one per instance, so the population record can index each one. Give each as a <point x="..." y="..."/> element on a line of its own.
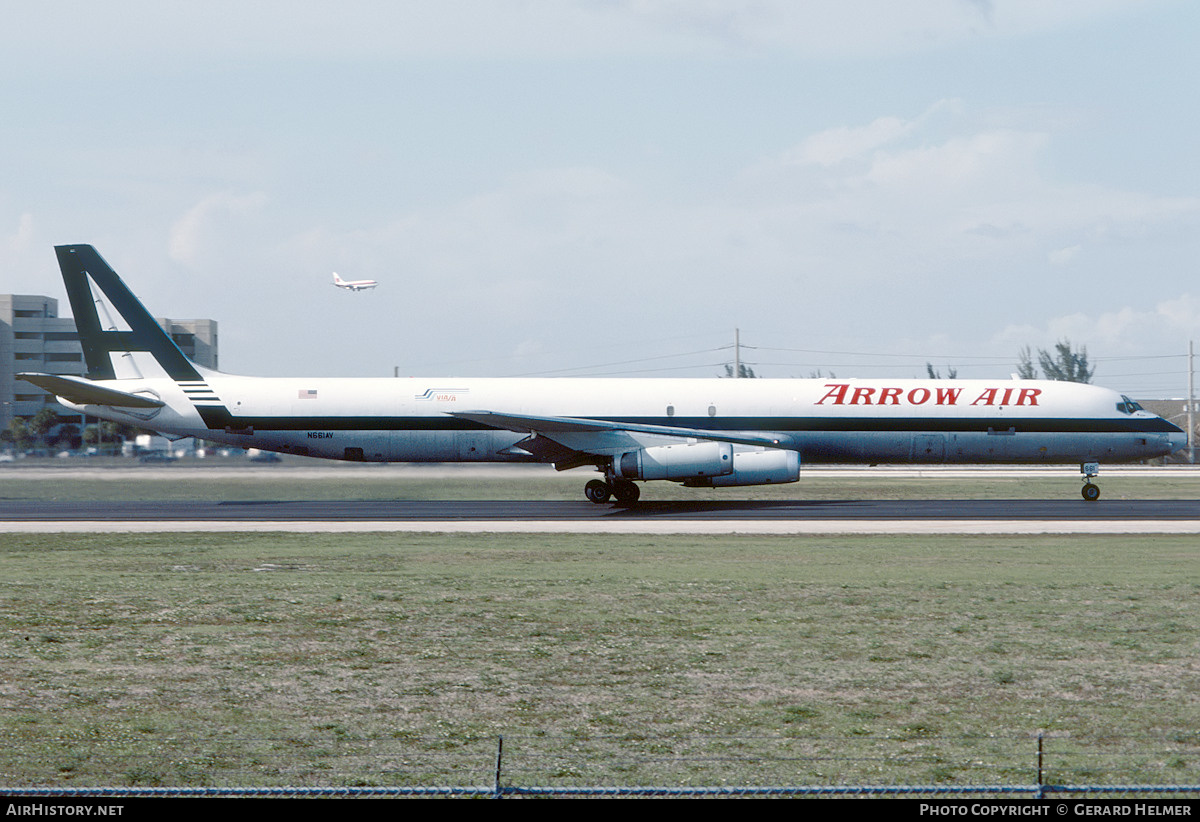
<point x="825" y="516"/>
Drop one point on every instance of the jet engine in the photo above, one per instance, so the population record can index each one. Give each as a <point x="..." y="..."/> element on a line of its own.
<point x="709" y="464"/>
<point x="675" y="462"/>
<point x="765" y="467"/>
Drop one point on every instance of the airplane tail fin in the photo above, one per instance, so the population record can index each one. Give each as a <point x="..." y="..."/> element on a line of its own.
<point x="105" y="348"/>
<point x="337" y="280"/>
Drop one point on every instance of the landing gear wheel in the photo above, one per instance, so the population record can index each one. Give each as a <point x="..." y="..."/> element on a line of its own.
<point x="597" y="491"/>
<point x="1091" y="492"/>
<point x="626" y="492"/>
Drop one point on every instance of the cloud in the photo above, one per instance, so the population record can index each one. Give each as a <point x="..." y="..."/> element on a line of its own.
<point x="22" y="239"/>
<point x="858" y="28"/>
<point x="1063" y="256"/>
<point x="22" y="259"/>
<point x="832" y="146"/>
<point x="989" y="157"/>
<point x="1165" y="327"/>
<point x="935" y="206"/>
<point x="932" y="193"/>
<point x="211" y="221"/>
<point x="132" y="29"/>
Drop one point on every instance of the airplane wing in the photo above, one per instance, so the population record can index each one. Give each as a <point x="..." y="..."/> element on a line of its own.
<point x="85" y="392"/>
<point x="572" y="440"/>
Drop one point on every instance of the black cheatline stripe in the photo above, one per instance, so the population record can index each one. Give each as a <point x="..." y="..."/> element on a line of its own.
<point x="219" y="417"/>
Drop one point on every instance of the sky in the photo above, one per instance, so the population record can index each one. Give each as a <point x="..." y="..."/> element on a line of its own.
<point x="592" y="188"/>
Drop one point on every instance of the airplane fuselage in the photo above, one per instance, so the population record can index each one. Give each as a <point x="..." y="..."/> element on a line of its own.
<point x="353" y="285"/>
<point x="837" y="421"/>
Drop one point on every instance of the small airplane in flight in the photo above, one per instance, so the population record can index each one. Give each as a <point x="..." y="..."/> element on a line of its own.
<point x="696" y="432"/>
<point x="353" y="285"/>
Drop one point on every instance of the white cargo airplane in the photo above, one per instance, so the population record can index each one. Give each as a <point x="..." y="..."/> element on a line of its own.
<point x="698" y="432"/>
<point x="353" y="285"/>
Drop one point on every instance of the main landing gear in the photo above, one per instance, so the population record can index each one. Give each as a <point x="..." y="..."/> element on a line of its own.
<point x="1090" y="490"/>
<point x="623" y="491"/>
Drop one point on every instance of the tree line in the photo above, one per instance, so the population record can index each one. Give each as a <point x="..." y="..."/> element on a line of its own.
<point x="1064" y="364"/>
<point x="45" y="429"/>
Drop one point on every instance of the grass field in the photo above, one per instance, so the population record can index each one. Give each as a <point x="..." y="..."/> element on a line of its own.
<point x="261" y="659"/>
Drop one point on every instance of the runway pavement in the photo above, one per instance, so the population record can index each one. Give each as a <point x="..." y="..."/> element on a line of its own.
<point x="725" y="517"/>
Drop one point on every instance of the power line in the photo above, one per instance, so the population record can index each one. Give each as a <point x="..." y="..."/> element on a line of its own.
<point x="620" y="362"/>
<point x="881" y="360"/>
<point x="653" y="370"/>
<point x="881" y="354"/>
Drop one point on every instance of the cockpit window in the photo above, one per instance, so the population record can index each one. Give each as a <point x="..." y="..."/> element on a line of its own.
<point x="1127" y="406"/>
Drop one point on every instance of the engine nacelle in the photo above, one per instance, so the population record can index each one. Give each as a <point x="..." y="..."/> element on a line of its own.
<point x="765" y="467"/>
<point x="691" y="461"/>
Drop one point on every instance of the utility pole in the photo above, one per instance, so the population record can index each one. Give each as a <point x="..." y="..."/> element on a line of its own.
<point x="1191" y="415"/>
<point x="737" y="353"/>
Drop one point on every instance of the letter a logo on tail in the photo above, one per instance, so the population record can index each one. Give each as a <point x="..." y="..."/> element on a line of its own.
<point x="78" y="264"/>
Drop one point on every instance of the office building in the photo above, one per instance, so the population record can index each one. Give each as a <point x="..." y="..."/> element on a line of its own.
<point x="34" y="338"/>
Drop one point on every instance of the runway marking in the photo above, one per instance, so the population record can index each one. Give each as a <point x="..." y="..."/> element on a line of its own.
<point x="785" y="527"/>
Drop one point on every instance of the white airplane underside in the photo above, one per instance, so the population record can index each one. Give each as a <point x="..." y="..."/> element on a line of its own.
<point x="699" y="432"/>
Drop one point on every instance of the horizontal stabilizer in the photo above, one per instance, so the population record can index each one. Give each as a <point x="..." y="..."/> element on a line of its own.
<point x="85" y="392"/>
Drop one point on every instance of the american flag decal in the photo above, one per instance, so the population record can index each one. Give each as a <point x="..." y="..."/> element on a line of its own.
<point x="308" y="394"/>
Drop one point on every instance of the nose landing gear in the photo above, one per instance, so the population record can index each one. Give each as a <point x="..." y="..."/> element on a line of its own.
<point x="1090" y="491"/>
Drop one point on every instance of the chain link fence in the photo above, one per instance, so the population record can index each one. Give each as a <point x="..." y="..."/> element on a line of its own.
<point x="340" y="764"/>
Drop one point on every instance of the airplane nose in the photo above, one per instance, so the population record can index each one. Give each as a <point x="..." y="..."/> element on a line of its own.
<point x="1177" y="439"/>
